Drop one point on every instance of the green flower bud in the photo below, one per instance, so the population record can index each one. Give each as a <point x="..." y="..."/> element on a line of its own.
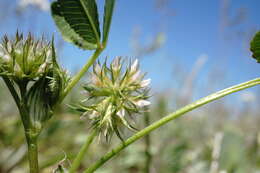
<point x="32" y="66"/>
<point x="114" y="96"/>
<point x="24" y="59"/>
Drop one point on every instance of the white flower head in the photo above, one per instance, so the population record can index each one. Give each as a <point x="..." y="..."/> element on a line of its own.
<point x="117" y="93"/>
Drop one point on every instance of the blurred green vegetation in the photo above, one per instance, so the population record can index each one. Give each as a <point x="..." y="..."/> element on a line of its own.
<point x="211" y="139"/>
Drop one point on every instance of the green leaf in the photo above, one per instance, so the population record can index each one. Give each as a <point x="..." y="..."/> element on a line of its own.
<point x="77" y="20"/>
<point x="108" y="12"/>
<point x="255" y="46"/>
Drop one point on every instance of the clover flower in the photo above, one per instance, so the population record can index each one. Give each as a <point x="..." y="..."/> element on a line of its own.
<point x="31" y="65"/>
<point x="24" y="59"/>
<point x="114" y="96"/>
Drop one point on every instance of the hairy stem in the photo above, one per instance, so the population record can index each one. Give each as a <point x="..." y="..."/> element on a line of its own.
<point x="83" y="151"/>
<point x="79" y="75"/>
<point x="170" y="117"/>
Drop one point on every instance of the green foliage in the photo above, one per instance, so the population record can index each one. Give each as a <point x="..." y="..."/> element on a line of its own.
<point x="108" y="12"/>
<point x="232" y="151"/>
<point x="255" y="47"/>
<point x="78" y="22"/>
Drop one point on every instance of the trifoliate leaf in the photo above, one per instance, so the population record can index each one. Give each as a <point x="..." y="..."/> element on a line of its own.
<point x="255" y="47"/>
<point x="78" y="22"/>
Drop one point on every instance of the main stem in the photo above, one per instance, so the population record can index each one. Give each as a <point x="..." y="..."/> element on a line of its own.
<point x="32" y="153"/>
<point x="82" y="152"/>
<point x="170" y="117"/>
<point x="31" y="133"/>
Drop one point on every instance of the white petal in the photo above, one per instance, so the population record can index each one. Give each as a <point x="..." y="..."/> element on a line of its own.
<point x="135" y="76"/>
<point x="116" y="63"/>
<point x="97" y="68"/>
<point x="145" y="83"/>
<point x="134" y="65"/>
<point x="93" y="115"/>
<point x="121" y="113"/>
<point x="9" y="47"/>
<point x="2" y="50"/>
<point x="6" y="57"/>
<point x="42" y="68"/>
<point x="49" y="53"/>
<point x="142" y="103"/>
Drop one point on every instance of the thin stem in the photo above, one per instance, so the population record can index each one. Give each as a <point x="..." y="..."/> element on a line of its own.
<point x="170" y="117"/>
<point x="32" y="153"/>
<point x="148" y="155"/>
<point x="83" y="151"/>
<point x="79" y="75"/>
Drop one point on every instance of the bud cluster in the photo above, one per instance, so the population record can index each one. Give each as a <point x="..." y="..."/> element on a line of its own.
<point x="114" y="96"/>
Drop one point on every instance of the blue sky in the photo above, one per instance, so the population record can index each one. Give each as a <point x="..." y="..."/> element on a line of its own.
<point x="192" y="29"/>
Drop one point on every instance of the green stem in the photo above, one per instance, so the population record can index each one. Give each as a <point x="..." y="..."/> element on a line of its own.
<point x="79" y="75"/>
<point x="31" y="133"/>
<point x="32" y="153"/>
<point x="148" y="155"/>
<point x="170" y="117"/>
<point x="82" y="152"/>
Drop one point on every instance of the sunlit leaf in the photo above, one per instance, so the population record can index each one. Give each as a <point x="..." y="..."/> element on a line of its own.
<point x="77" y="20"/>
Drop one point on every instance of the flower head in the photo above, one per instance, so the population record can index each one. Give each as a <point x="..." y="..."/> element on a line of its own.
<point x="31" y="67"/>
<point x="25" y="58"/>
<point x="115" y="95"/>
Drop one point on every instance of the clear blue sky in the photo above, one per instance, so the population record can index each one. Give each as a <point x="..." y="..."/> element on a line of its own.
<point x="192" y="28"/>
